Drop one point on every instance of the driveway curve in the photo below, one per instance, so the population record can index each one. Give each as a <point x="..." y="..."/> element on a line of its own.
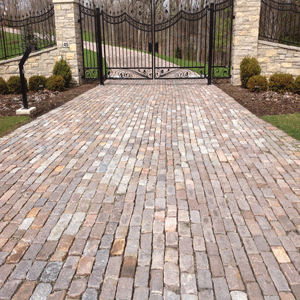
<point x="149" y="190"/>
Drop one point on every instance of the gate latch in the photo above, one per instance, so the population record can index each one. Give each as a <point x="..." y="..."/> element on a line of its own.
<point x="155" y="47"/>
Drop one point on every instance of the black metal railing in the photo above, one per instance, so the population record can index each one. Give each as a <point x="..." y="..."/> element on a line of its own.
<point x="280" y="22"/>
<point x="36" y="29"/>
<point x="222" y="41"/>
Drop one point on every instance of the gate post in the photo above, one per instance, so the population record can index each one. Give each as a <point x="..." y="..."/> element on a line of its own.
<point x="68" y="35"/>
<point x="211" y="41"/>
<point x="245" y="34"/>
<point x="99" y="46"/>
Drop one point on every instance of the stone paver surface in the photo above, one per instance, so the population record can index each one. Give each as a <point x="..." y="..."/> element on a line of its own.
<point x="149" y="190"/>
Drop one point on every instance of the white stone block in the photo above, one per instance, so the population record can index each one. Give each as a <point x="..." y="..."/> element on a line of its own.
<point x="25" y="112"/>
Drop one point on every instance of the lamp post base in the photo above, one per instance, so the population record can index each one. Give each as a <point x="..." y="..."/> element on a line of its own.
<point x="25" y="112"/>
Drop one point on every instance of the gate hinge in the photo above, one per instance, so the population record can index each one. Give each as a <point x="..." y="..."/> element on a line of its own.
<point x="233" y="17"/>
<point x="79" y="21"/>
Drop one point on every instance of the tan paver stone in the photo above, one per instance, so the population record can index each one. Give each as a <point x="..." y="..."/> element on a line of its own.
<point x="159" y="215"/>
<point x="39" y="221"/>
<point x="59" y="168"/>
<point x="280" y="254"/>
<point x="85" y="265"/>
<point x="62" y="248"/>
<point x="60" y="295"/>
<point x="170" y="224"/>
<point x="33" y="213"/>
<point x="77" y="288"/>
<point x="90" y="220"/>
<point x="17" y="253"/>
<point x="128" y="267"/>
<point x="286" y="296"/>
<point x="118" y="247"/>
<point x="3" y="242"/>
<point x="25" y="291"/>
<point x="47" y="250"/>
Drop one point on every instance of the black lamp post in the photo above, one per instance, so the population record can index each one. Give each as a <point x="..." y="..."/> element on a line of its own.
<point x="22" y="77"/>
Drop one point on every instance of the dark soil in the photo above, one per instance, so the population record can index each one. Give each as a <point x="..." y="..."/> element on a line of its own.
<point x="44" y="101"/>
<point x="263" y="103"/>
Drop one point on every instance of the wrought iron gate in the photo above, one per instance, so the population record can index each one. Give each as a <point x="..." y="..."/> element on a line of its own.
<point x="147" y="41"/>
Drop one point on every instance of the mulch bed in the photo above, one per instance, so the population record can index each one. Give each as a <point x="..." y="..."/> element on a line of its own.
<point x="263" y="103"/>
<point x="44" y="101"/>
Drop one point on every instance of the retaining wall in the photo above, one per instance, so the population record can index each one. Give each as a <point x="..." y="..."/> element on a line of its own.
<point x="38" y="63"/>
<point x="275" y="58"/>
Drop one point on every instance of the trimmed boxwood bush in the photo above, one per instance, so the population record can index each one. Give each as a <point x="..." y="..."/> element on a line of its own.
<point x="296" y="85"/>
<point x="55" y="83"/>
<point x="3" y="87"/>
<point x="63" y="68"/>
<point x="14" y="84"/>
<point x="35" y="81"/>
<point x="280" y="82"/>
<point x="257" y="80"/>
<point x="249" y="67"/>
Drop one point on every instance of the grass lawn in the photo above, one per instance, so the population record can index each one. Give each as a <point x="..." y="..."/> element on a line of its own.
<point x="8" y="124"/>
<point x="88" y="36"/>
<point x="290" y="124"/>
<point x="13" y="43"/>
<point x="197" y="67"/>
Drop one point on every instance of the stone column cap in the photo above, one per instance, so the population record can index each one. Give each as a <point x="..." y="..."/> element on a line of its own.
<point x="64" y="1"/>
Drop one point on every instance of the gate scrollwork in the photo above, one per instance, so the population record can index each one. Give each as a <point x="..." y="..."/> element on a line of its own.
<point x="145" y="39"/>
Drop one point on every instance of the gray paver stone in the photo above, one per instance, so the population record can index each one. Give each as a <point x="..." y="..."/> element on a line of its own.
<point x="51" y="271"/>
<point x="90" y="294"/>
<point x="238" y="295"/>
<point x="41" y="292"/>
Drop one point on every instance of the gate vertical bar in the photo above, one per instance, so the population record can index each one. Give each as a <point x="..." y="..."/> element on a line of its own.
<point x="153" y="37"/>
<point x="211" y="39"/>
<point x="3" y="38"/>
<point x="231" y="26"/>
<point x="103" y="30"/>
<point x="82" y="43"/>
<point x="99" y="46"/>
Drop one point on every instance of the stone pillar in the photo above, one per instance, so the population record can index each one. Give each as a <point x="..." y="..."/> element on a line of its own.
<point x="68" y="35"/>
<point x="245" y="34"/>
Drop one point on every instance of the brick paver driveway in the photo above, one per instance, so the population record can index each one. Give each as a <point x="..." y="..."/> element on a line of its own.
<point x="150" y="191"/>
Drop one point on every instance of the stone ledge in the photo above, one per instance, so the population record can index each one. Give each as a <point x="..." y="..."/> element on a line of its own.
<point x="272" y="44"/>
<point x="18" y="58"/>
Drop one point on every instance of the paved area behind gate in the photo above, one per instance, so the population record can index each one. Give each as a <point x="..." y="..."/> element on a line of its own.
<point x="150" y="190"/>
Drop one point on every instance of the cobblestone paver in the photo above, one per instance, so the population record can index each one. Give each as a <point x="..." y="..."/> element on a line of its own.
<point x="150" y="190"/>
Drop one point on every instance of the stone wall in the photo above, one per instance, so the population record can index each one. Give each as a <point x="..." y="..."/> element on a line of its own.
<point x="275" y="58"/>
<point x="38" y="63"/>
<point x="272" y="57"/>
<point x="69" y="47"/>
<point x="68" y="35"/>
<point x="245" y="34"/>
